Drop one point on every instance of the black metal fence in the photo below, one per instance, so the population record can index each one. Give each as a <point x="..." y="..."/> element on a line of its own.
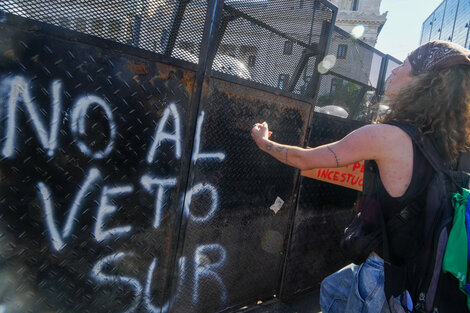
<point x="129" y="181"/>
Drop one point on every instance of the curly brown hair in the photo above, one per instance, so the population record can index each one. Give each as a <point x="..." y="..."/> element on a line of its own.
<point x="437" y="103"/>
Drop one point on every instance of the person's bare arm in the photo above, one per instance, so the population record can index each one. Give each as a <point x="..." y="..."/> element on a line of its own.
<point x="366" y="143"/>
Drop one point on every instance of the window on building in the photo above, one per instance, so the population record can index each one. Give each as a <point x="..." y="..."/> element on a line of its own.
<point x="164" y="37"/>
<point x="282" y="81"/>
<point x="342" y="51"/>
<point x="336" y="83"/>
<point x="251" y="60"/>
<point x="355" y="5"/>
<point x="130" y="31"/>
<point x="249" y="54"/>
<point x="288" y="47"/>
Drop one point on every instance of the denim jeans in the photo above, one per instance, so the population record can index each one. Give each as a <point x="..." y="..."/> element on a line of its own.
<point x="355" y="288"/>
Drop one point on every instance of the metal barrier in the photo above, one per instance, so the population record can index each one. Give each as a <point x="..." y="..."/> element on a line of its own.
<point x="129" y="181"/>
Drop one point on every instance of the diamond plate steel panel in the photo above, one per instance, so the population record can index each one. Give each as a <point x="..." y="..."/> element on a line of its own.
<point x="324" y="210"/>
<point x="245" y="240"/>
<point x="91" y="147"/>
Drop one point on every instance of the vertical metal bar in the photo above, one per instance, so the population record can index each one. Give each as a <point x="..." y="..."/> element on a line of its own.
<point x="313" y="86"/>
<point x="443" y="16"/>
<point x="327" y="30"/>
<point x="468" y="31"/>
<point x="206" y="57"/>
<point x="354" y="108"/>
<point x="226" y="19"/>
<point x="136" y="31"/>
<point x="309" y="42"/>
<point x="380" y="88"/>
<point x="301" y="65"/>
<point x="381" y="81"/>
<point x="455" y="20"/>
<point x="432" y="24"/>
<point x="178" y="15"/>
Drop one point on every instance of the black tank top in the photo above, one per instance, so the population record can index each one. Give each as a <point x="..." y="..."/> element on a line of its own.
<point x="403" y="215"/>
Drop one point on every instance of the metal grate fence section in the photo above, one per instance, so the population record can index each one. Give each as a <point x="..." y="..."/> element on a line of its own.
<point x="271" y="42"/>
<point x="169" y="27"/>
<point x="148" y="194"/>
<point x="349" y="88"/>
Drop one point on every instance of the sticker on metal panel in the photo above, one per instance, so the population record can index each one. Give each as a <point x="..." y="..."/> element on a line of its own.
<point x="277" y="205"/>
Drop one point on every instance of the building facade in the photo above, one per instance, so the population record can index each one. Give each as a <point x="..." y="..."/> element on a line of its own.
<point x="361" y="12"/>
<point x="449" y="22"/>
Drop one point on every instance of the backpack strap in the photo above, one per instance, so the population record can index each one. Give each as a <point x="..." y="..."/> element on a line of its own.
<point x="464" y="162"/>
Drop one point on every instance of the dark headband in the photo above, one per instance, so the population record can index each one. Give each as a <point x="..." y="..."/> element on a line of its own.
<point x="437" y="55"/>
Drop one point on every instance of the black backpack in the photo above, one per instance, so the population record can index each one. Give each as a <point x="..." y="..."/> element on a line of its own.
<point x="430" y="289"/>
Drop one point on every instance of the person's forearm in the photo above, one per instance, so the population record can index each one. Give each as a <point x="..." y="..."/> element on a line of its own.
<point x="289" y="155"/>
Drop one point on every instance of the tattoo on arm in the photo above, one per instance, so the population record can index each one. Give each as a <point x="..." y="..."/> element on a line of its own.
<point x="269" y="146"/>
<point x="279" y="149"/>
<point x="334" y="154"/>
<point x="287" y="152"/>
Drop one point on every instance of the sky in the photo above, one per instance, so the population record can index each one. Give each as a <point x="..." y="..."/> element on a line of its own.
<point x="402" y="31"/>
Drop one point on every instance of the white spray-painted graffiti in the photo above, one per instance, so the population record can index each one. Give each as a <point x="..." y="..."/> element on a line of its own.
<point x="163" y="185"/>
<point x="207" y="260"/>
<point x="79" y="112"/>
<point x="107" y="208"/>
<point x="20" y="90"/>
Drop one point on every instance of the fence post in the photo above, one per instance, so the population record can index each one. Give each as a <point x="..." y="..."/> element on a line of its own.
<point x="206" y="57"/>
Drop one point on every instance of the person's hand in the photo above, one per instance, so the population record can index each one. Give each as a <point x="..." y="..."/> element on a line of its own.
<point x="260" y="133"/>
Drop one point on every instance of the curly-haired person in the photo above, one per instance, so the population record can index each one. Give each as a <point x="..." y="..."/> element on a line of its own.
<point x="431" y="92"/>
